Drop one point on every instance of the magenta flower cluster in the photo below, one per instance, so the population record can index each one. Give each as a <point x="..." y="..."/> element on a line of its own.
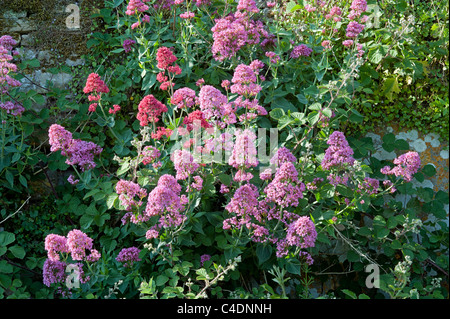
<point x="77" y="244"/>
<point x="406" y="166"/>
<point x="339" y="154"/>
<point x="236" y="31"/>
<point x="128" y="256"/>
<point x="7" y="82"/>
<point x="130" y="194"/>
<point x="78" y="152"/>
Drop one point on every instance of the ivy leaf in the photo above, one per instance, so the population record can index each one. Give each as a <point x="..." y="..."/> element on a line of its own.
<point x="390" y="86"/>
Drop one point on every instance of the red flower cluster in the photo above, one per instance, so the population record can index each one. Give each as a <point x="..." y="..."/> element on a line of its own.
<point x="160" y="132"/>
<point x="149" y="109"/>
<point x="165" y="59"/>
<point x="194" y="119"/>
<point x="94" y="87"/>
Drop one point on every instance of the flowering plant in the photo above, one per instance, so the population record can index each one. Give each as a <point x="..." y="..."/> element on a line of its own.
<point x="186" y="192"/>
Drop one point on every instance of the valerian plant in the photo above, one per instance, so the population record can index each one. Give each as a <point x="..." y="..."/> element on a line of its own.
<point x="197" y="199"/>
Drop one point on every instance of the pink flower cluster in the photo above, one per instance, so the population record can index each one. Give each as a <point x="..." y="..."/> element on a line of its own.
<point x="13" y="108"/>
<point x="161" y="132"/>
<point x="406" y="166"/>
<point x="339" y="153"/>
<point x="243" y="205"/>
<point x="128" y="256"/>
<point x="244" y="150"/>
<point x="353" y="29"/>
<point x="244" y="79"/>
<point x="184" y="164"/>
<point x="127" y="192"/>
<point x="236" y="30"/>
<point x="136" y="6"/>
<point x="150" y="154"/>
<point x="76" y="243"/>
<point x="369" y="186"/>
<point x="165" y="201"/>
<point x="6" y="67"/>
<point x="184" y="98"/>
<point x="300" y="50"/>
<point x="300" y="233"/>
<point x="149" y="109"/>
<point x="78" y="152"/>
<point x="285" y="189"/>
<point x="127" y="44"/>
<point x="194" y="120"/>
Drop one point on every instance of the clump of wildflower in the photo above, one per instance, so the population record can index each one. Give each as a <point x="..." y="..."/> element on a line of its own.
<point x="95" y="86"/>
<point x="406" y="166"/>
<point x="127" y="44"/>
<point x="301" y="233"/>
<point x="78" y="152"/>
<point x="369" y="185"/>
<point x="211" y="102"/>
<point x="82" y="153"/>
<point x="184" y="98"/>
<point x="13" y="108"/>
<point x="281" y="156"/>
<point x="150" y="154"/>
<point x="114" y="109"/>
<point x="353" y="29"/>
<point x="55" y="244"/>
<point x="339" y="153"/>
<point x="149" y="109"/>
<point x="244" y="80"/>
<point x="78" y="242"/>
<point x="198" y="183"/>
<point x="53" y="271"/>
<point x="128" y="256"/>
<point x="6" y="67"/>
<point x="285" y="189"/>
<point x="165" y="58"/>
<point x="184" y="164"/>
<point x="161" y="132"/>
<point x="127" y="192"/>
<point x="236" y="31"/>
<point x="243" y="205"/>
<point x="244" y="150"/>
<point x="136" y="6"/>
<point x="195" y="120"/>
<point x="300" y="50"/>
<point x="187" y="15"/>
<point x="59" y="138"/>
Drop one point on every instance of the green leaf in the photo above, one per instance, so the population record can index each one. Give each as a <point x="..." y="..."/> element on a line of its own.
<point x="161" y="280"/>
<point x="9" y="177"/>
<point x="17" y="251"/>
<point x="6" y="238"/>
<point x="390" y="86"/>
<point x="5" y="267"/>
<point x="123" y="168"/>
<point x="111" y="200"/>
<point x="263" y="252"/>
<point x="429" y="170"/>
<point x="277" y="113"/>
<point x="349" y="293"/>
<point x="293" y="266"/>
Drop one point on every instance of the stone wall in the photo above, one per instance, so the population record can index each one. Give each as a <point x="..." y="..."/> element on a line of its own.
<point x="47" y="31"/>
